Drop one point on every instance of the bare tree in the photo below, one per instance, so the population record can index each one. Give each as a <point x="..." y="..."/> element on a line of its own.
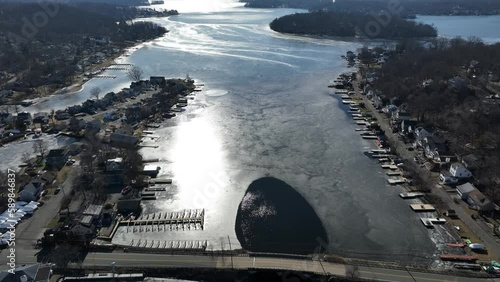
<point x="135" y="73"/>
<point x="94" y="92"/>
<point x="40" y="147"/>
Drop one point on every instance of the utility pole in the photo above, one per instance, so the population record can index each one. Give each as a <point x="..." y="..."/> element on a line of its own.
<point x="230" y="252"/>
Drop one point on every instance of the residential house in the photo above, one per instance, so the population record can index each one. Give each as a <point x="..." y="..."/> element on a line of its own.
<point x="157" y="80"/>
<point x="62" y="115"/>
<point x="473" y="162"/>
<point x="24" y="117"/>
<point x="76" y="148"/>
<point x="113" y="179"/>
<point x="434" y="149"/>
<point x="421" y="133"/>
<point x="474" y="197"/>
<point x="456" y="172"/>
<point x="48" y="177"/>
<point x="27" y="273"/>
<point x="41" y="117"/>
<point x="128" y="206"/>
<point x="32" y="191"/>
<point x="400" y="115"/>
<point x="57" y="158"/>
<point x="113" y="165"/>
<point x="123" y="140"/>
<point x="459" y="171"/>
<point x="406" y="126"/>
<point x="93" y="126"/>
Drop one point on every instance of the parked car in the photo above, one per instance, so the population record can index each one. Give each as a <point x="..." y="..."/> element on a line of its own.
<point x="126" y="190"/>
<point x="58" y="189"/>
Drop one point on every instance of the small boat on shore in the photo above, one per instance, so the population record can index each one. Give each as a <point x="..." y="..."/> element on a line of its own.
<point x="410" y="195"/>
<point x="458" y="245"/>
<point x="457" y="257"/>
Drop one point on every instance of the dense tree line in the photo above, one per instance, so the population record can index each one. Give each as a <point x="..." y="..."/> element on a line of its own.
<point x="349" y="25"/>
<point x="68" y="22"/>
<point x="467" y="113"/>
<point x="409" y="7"/>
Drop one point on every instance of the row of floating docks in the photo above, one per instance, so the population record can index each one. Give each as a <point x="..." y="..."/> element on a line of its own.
<point x="105" y="76"/>
<point x="168" y="221"/>
<point x="170" y="245"/>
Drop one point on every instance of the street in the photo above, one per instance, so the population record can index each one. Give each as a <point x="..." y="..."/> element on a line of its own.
<point x="32" y="228"/>
<point x="244" y="262"/>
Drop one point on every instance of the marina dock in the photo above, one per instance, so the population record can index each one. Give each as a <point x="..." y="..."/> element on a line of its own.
<point x="167" y="221"/>
<point x="395" y="181"/>
<point x="422" y="207"/>
<point x="394" y="173"/>
<point x="389" y="166"/>
<point x="161" y="181"/>
<point x="429" y="222"/>
<point x="169" y="245"/>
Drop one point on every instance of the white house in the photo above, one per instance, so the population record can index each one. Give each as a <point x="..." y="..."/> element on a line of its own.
<point x="446" y="178"/>
<point x="459" y="171"/>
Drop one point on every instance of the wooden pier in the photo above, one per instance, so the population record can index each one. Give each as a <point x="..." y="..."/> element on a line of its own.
<point x="422" y="207"/>
<point x="160" y="181"/>
<point x="410" y="195"/>
<point x="167" y="221"/>
<point x="395" y="181"/>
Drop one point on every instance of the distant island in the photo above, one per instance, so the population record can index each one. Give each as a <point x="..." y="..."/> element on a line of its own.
<point x="349" y="25"/>
<point x="410" y="8"/>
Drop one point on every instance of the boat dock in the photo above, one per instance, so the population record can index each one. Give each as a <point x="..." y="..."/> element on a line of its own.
<point x="389" y="166"/>
<point x="169" y="245"/>
<point x="369" y="137"/>
<point x="430" y="221"/>
<point x="381" y="156"/>
<point x="394" y="173"/>
<point x="422" y="207"/>
<point x="411" y="195"/>
<point x="167" y="221"/>
<point x="161" y="181"/>
<point x="395" y="181"/>
<point x="155" y="189"/>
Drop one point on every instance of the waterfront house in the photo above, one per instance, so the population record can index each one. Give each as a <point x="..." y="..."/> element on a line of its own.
<point x="473" y="162"/>
<point x="24" y="117"/>
<point x="57" y="158"/>
<point x="62" y="115"/>
<point x="123" y="140"/>
<point x="113" y="179"/>
<point x="157" y="80"/>
<point x="474" y="197"/>
<point x="458" y="84"/>
<point x="459" y="171"/>
<point x="434" y="149"/>
<point x="456" y="172"/>
<point x="31" y="191"/>
<point x="421" y="133"/>
<point x="406" y="126"/>
<point x="41" y="117"/>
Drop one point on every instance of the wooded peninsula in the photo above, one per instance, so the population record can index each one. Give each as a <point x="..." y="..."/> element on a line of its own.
<point x="350" y="25"/>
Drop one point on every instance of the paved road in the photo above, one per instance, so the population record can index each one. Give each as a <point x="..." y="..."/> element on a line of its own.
<point x="401" y="150"/>
<point x="173" y="261"/>
<point x="31" y="229"/>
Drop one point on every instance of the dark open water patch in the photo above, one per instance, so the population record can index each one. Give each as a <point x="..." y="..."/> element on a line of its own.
<point x="273" y="217"/>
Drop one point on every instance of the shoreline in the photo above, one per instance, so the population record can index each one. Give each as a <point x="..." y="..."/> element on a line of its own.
<point x="432" y="195"/>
